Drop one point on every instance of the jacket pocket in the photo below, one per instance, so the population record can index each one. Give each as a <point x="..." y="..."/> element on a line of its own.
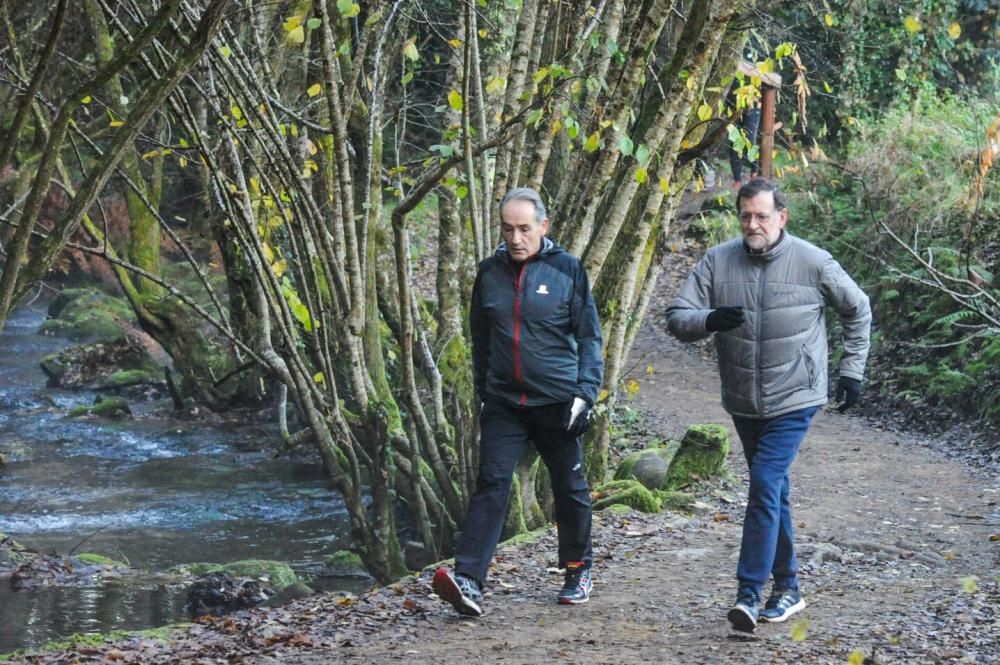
<point x="810" y="366"/>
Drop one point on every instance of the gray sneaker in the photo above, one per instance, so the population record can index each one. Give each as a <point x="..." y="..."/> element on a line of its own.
<point x="462" y="592"/>
<point x="781" y="605"/>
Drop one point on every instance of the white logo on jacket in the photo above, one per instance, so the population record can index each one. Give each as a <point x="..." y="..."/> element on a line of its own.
<point x="543" y="289"/>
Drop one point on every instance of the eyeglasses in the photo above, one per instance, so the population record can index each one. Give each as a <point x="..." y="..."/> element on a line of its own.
<point x="760" y="217"/>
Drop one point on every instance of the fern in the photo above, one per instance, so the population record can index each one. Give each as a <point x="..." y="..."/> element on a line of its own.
<point x="948" y="320"/>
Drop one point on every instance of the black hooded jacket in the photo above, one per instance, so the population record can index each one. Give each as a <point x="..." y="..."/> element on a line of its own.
<point x="536" y="337"/>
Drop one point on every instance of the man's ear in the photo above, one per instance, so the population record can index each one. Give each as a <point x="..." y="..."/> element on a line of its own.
<point x="545" y="226"/>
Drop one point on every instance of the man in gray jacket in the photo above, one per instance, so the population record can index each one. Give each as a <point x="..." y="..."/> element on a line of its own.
<point x="764" y="297"/>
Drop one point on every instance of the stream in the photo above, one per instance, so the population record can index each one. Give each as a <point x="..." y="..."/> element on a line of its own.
<point x="152" y="492"/>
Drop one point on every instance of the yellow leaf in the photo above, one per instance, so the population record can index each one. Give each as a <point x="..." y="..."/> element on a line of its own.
<point x="970" y="584"/>
<point x="455" y="42"/>
<point x="664" y="186"/>
<point x="799" y="630"/>
<point x="455" y="100"/>
<point x="151" y="154"/>
<point x="954" y="31"/>
<point x="857" y="657"/>
<point x="292" y="22"/>
<point x="226" y="51"/>
<point x="641" y="175"/>
<point x="690" y="83"/>
<point x="556" y="126"/>
<point x="319" y="378"/>
<point x="632" y="388"/>
<point x="280" y="267"/>
<point x="410" y="50"/>
<point x="296" y="36"/>
<point x="311" y="147"/>
<point x="603" y="395"/>
<point x="314" y="89"/>
<point x="912" y="24"/>
<point x="649" y="370"/>
<point x="593" y="142"/>
<point x="496" y="85"/>
<point x="828" y="20"/>
<point x="268" y="252"/>
<point x="116" y="123"/>
<point x="87" y="99"/>
<point x="704" y="112"/>
<point x="182" y="162"/>
<point x="236" y="111"/>
<point x="826" y="86"/>
<point x="484" y="33"/>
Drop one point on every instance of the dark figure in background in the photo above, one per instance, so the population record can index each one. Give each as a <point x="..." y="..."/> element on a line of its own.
<point x="537" y="364"/>
<point x="764" y="296"/>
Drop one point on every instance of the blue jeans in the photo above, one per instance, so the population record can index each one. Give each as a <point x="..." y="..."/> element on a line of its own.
<point x="505" y="433"/>
<point x="768" y="546"/>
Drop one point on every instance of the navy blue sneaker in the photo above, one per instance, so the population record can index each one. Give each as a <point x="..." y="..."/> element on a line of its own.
<point x="781" y="605"/>
<point x="578" y="586"/>
<point x="743" y="615"/>
<point x="462" y="592"/>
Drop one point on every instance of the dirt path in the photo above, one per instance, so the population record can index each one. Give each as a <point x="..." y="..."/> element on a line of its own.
<point x="888" y="529"/>
<point x="908" y="526"/>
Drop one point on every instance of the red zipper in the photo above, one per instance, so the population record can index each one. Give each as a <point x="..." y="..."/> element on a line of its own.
<point x="517" y="331"/>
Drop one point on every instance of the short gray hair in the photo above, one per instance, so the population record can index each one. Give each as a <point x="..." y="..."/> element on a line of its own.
<point x="525" y="194"/>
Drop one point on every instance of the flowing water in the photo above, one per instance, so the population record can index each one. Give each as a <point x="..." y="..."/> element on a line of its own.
<point x="152" y="492"/>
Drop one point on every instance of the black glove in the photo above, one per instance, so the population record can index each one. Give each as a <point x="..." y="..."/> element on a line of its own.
<point x="576" y="417"/>
<point x="724" y="318"/>
<point x="848" y="392"/>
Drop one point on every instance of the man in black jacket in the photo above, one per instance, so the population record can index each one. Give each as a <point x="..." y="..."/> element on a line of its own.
<point x="536" y="344"/>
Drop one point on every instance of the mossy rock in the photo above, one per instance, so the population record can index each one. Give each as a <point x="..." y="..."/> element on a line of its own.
<point x="277" y="574"/>
<point x="648" y="466"/>
<point x="344" y="563"/>
<point x="16" y="451"/>
<point x="528" y="536"/>
<point x="672" y="500"/>
<point x="93" y="559"/>
<point x="13" y="554"/>
<point x="86" y="314"/>
<point x="131" y="377"/>
<point x="105" y="407"/>
<point x="702" y="454"/>
<point x="630" y="492"/>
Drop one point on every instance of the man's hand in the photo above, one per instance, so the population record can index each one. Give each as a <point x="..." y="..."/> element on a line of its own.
<point x="848" y="392"/>
<point x="724" y="318"/>
<point x="576" y="417"/>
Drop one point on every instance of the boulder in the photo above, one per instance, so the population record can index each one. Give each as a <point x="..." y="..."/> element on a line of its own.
<point x="702" y="454"/>
<point x="102" y="366"/>
<point x="13" y="554"/>
<point x="648" y="466"/>
<point x="87" y="314"/>
<point x="219" y="593"/>
<point x="105" y="407"/>
<point x="344" y="563"/>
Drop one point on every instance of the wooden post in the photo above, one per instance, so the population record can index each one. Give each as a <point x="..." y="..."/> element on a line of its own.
<point x="767" y="103"/>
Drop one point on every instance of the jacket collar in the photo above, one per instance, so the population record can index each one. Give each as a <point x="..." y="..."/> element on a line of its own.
<point x="772" y="252"/>
<point x="548" y="247"/>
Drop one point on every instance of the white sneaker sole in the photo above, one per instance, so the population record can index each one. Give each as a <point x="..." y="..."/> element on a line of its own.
<point x="741" y="619"/>
<point x="445" y="586"/>
<point x="794" y="609"/>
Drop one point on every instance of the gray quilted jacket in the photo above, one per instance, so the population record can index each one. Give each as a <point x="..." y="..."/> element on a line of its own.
<point x="776" y="361"/>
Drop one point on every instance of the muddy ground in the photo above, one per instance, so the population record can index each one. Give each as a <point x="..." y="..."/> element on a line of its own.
<point x="894" y="536"/>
